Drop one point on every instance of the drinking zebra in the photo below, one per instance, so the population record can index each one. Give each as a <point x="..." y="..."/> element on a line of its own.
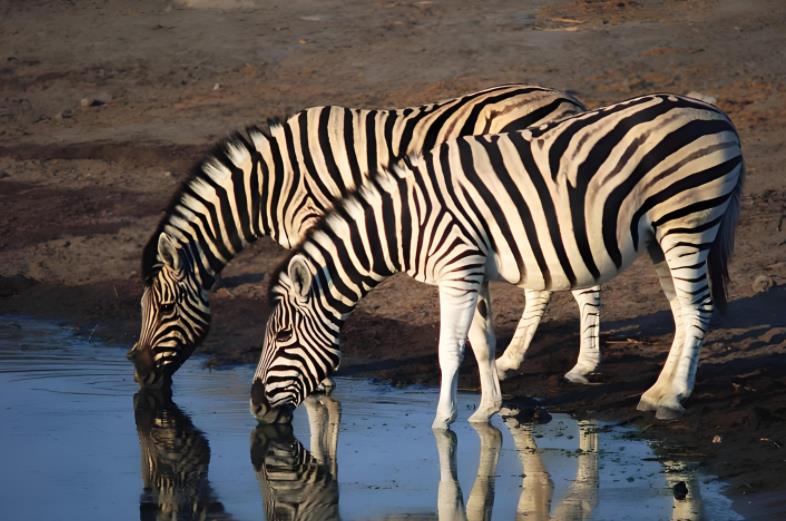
<point x="279" y="181"/>
<point x="567" y="205"/>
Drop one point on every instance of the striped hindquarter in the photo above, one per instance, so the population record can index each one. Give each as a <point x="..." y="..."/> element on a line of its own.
<point x="279" y="181"/>
<point x="564" y="206"/>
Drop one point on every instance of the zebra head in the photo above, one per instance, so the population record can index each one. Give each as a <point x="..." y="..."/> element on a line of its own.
<point x="300" y="347"/>
<point x="175" y="316"/>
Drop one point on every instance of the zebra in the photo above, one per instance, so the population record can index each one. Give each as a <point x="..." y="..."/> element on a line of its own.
<point x="175" y="457"/>
<point x="279" y="181"/>
<point x="564" y="206"/>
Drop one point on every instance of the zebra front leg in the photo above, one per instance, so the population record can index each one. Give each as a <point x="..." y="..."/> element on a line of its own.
<point x="536" y="485"/>
<point x="450" y="500"/>
<point x="589" y="349"/>
<point x="481" y="496"/>
<point x="693" y="303"/>
<point x="483" y="342"/>
<point x="535" y="304"/>
<point x="582" y="496"/>
<point x="456" y="308"/>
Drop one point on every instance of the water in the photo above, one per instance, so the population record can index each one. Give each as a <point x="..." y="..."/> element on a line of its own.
<point x="76" y="443"/>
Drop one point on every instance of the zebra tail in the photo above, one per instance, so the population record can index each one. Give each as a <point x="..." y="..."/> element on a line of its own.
<point x="722" y="248"/>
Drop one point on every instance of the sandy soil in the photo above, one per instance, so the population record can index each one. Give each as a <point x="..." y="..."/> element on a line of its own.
<point x="82" y="183"/>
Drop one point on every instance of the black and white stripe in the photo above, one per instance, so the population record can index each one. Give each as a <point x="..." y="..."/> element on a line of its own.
<point x="295" y="485"/>
<point x="564" y="206"/>
<point x="278" y="182"/>
<point x="175" y="457"/>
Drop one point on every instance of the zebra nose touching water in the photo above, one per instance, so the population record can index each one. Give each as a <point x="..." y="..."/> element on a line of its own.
<point x="564" y="206"/>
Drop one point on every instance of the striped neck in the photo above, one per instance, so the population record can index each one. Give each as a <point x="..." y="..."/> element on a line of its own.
<point x="358" y="245"/>
<point x="232" y="198"/>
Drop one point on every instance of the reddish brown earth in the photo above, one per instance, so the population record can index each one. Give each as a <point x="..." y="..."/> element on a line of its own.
<point x="81" y="188"/>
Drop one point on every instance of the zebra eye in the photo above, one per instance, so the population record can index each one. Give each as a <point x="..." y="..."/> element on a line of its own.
<point x="284" y="335"/>
<point x="167" y="307"/>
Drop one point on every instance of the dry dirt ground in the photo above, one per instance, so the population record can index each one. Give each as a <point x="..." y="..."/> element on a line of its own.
<point x="82" y="184"/>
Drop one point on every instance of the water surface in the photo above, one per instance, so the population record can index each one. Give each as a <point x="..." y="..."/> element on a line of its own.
<point x="78" y="441"/>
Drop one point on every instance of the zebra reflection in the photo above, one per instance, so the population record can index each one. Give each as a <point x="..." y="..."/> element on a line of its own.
<point x="175" y="458"/>
<point x="537" y="487"/>
<point x="298" y="485"/>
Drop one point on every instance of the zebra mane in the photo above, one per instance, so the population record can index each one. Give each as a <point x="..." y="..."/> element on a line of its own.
<point x="151" y="265"/>
<point x="372" y="183"/>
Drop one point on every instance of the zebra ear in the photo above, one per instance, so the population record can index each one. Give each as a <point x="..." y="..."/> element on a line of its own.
<point x="300" y="275"/>
<point x="167" y="252"/>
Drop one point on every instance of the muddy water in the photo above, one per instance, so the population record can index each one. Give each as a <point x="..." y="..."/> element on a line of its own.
<point x="77" y="441"/>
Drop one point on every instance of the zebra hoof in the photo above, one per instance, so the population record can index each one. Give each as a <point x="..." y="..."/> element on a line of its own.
<point x="577" y="378"/>
<point x="670" y="412"/>
<point x="442" y="424"/>
<point x="646" y="406"/>
<point x="483" y="415"/>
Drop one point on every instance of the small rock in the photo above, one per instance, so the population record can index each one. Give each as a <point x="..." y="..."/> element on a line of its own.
<point x="63" y="114"/>
<point x="680" y="490"/>
<point x="763" y="283"/>
<point x="717" y="439"/>
<point x="168" y="173"/>
<point x="96" y="101"/>
<point x="707" y="98"/>
<point x="217" y="86"/>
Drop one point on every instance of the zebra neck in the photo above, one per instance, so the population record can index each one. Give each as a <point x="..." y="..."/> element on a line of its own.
<point x="235" y="196"/>
<point x="359" y="244"/>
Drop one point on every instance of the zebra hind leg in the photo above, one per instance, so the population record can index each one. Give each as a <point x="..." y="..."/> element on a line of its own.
<point x="483" y="342"/>
<point x="688" y="268"/>
<point x="589" y="349"/>
<point x="535" y="304"/>
<point x="652" y="397"/>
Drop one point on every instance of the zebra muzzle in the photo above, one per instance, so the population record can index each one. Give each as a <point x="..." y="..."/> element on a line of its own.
<point x="261" y="409"/>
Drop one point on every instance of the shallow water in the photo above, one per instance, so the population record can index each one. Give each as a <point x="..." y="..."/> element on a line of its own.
<point x="76" y="443"/>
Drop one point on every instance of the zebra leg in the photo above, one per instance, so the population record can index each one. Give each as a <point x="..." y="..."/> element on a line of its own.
<point x="481" y="497"/>
<point x="582" y="495"/>
<point x="535" y="304"/>
<point x="317" y="422"/>
<point x="686" y="488"/>
<point x="483" y="342"/>
<point x="536" y="485"/>
<point x="589" y="350"/>
<point x="688" y="268"/>
<point x="650" y="399"/>
<point x="450" y="500"/>
<point x="456" y="308"/>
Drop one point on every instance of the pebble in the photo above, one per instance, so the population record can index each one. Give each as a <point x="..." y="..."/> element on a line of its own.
<point x="64" y="114"/>
<point x="763" y="283"/>
<point x="96" y="101"/>
<point x="217" y="86"/>
<point x="680" y="490"/>
<point x="717" y="439"/>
